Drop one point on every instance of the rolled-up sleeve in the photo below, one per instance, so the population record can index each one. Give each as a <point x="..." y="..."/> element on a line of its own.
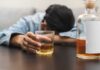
<point x="25" y="24"/>
<point x="20" y="27"/>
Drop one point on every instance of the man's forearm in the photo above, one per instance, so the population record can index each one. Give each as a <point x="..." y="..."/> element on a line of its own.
<point x="65" y="39"/>
<point x="16" y="40"/>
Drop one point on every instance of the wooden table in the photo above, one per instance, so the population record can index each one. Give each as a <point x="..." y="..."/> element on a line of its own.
<point x="64" y="58"/>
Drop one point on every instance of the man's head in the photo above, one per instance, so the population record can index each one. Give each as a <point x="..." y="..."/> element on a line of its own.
<point x="59" y="18"/>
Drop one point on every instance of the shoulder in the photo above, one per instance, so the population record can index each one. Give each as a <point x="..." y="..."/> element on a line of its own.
<point x="37" y="17"/>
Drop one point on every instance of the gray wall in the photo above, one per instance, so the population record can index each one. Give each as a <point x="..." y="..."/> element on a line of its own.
<point x="40" y="4"/>
<point x="12" y="10"/>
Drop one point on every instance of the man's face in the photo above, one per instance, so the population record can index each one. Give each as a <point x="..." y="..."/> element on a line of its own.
<point x="44" y="26"/>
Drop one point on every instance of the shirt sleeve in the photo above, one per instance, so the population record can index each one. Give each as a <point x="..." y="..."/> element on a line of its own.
<point x="25" y="24"/>
<point x="72" y="33"/>
<point x="20" y="27"/>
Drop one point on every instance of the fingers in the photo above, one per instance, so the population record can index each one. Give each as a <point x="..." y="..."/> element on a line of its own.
<point x="31" y="50"/>
<point x="41" y="37"/>
<point x="31" y="42"/>
<point x="28" y="47"/>
<point x="31" y="39"/>
<point x="31" y="35"/>
<point x="37" y="37"/>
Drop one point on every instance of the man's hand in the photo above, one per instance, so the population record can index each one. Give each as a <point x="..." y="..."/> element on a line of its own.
<point x="29" y="41"/>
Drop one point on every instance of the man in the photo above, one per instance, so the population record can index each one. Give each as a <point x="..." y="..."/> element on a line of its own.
<point x="57" y="17"/>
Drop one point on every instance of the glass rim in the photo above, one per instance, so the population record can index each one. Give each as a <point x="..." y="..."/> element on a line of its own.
<point x="41" y="31"/>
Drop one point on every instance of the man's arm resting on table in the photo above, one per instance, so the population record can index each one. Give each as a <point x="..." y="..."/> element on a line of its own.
<point x="64" y="39"/>
<point x="16" y="40"/>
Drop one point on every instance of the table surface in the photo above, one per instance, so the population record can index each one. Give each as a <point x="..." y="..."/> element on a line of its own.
<point x="64" y="58"/>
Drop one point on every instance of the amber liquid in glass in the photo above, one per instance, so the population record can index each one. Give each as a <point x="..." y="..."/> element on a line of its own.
<point x="45" y="49"/>
<point x="81" y="51"/>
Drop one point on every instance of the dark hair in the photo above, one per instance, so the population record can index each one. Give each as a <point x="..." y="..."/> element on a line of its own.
<point x="59" y="18"/>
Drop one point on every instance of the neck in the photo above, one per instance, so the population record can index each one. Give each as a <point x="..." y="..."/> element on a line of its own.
<point x="90" y="11"/>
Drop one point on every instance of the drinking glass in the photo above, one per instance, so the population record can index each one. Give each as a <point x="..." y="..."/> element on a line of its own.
<point x="47" y="46"/>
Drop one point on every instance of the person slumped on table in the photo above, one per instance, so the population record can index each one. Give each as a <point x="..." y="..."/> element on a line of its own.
<point x="58" y="18"/>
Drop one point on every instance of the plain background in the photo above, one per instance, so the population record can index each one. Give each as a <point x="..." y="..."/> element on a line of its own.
<point x="12" y="10"/>
<point x="41" y="4"/>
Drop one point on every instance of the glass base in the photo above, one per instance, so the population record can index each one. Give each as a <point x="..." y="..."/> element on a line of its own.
<point x="47" y="53"/>
<point x="88" y="56"/>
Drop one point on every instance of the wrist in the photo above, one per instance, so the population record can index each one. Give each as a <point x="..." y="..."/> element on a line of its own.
<point x="16" y="39"/>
